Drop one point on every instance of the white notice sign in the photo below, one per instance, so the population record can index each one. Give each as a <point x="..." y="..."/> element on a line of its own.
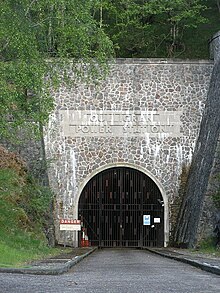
<point x="70" y="225"/>
<point x="146" y="220"/>
<point x="157" y="220"/>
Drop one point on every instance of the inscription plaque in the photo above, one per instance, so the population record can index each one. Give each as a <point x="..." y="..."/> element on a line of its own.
<point x="98" y="123"/>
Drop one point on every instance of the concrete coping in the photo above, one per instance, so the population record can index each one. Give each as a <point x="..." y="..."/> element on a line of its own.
<point x="202" y="263"/>
<point x="160" y="61"/>
<point x="57" y="269"/>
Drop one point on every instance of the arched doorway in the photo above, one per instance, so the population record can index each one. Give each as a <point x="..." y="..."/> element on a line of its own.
<point x="122" y="207"/>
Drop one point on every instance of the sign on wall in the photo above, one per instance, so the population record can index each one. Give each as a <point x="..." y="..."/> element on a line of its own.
<point x="106" y="123"/>
<point x="157" y="220"/>
<point x="70" y="225"/>
<point x="146" y="220"/>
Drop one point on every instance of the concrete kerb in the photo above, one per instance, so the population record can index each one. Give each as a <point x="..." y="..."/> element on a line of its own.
<point x="58" y="270"/>
<point x="63" y="268"/>
<point x="203" y="266"/>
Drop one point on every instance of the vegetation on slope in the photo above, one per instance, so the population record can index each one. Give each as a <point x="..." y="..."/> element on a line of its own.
<point x="23" y="207"/>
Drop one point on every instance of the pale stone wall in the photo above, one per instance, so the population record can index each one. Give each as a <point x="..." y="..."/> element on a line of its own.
<point x="145" y="115"/>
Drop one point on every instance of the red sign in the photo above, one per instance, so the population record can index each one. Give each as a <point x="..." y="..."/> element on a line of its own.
<point x="73" y="222"/>
<point x="70" y="225"/>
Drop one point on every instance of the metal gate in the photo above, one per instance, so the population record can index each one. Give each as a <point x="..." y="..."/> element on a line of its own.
<point x="113" y="205"/>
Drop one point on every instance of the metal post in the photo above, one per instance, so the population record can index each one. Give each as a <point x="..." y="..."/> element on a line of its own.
<point x="64" y="238"/>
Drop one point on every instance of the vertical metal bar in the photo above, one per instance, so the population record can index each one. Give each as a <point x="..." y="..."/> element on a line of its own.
<point x="100" y="210"/>
<point x="136" y="207"/>
<point x="131" y="191"/>
<point x="120" y="206"/>
<point x="141" y="211"/>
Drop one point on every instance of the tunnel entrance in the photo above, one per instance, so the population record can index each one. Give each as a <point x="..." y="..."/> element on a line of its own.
<point x="122" y="207"/>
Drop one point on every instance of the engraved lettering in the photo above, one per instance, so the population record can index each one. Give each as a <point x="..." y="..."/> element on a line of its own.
<point x="108" y="129"/>
<point x="85" y="129"/>
<point x="121" y="123"/>
<point x="155" y="129"/>
<point x="102" y="129"/>
<point x="93" y="118"/>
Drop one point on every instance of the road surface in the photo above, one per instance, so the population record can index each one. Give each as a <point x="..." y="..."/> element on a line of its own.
<point x="118" y="270"/>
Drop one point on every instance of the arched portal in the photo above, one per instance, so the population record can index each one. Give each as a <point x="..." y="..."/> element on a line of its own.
<point x="122" y="207"/>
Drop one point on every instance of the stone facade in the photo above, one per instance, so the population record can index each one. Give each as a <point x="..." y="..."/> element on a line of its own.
<point x="145" y="115"/>
<point x="32" y="152"/>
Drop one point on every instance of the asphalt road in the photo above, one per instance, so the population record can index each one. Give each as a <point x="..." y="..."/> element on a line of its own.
<point x="120" y="270"/>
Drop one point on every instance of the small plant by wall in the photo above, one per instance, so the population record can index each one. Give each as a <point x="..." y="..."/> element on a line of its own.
<point x="216" y="198"/>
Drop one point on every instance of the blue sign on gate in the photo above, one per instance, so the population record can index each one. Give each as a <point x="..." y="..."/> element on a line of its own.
<point x="146" y="219"/>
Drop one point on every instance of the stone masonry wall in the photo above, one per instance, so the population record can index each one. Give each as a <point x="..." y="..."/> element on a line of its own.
<point x="145" y="115"/>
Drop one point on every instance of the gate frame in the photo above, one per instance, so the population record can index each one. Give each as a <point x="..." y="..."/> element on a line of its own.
<point x="138" y="168"/>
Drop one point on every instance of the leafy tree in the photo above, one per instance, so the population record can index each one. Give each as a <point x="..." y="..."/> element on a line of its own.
<point x="149" y="27"/>
<point x="37" y="40"/>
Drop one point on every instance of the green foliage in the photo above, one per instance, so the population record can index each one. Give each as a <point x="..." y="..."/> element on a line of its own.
<point x="196" y="39"/>
<point x="216" y="199"/>
<point x="31" y="201"/>
<point x="208" y="246"/>
<point x="215" y="181"/>
<point x="151" y="28"/>
<point x="37" y="40"/>
<point x="36" y="200"/>
<point x="23" y="206"/>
